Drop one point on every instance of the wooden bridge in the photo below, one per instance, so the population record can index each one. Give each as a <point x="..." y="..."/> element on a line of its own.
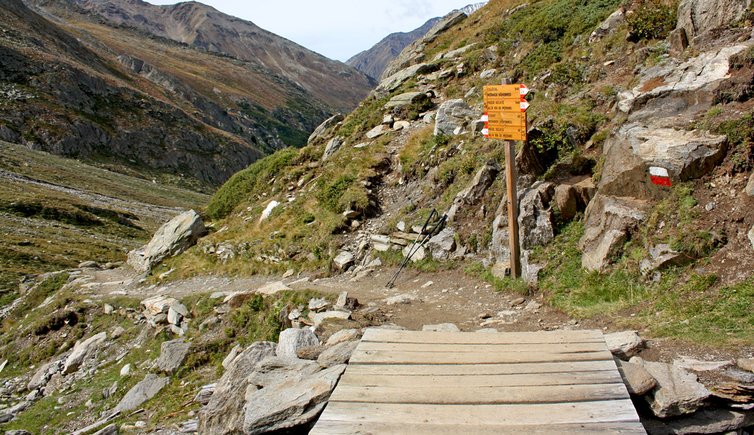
<point x="410" y="382"/>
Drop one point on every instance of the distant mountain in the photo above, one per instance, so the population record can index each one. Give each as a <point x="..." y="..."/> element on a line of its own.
<point x="170" y="92"/>
<point x="373" y="61"/>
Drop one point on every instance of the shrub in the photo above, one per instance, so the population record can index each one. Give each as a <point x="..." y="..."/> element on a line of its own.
<point x="653" y="19"/>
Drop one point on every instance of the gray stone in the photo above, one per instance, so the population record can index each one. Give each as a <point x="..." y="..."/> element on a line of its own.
<point x="273" y="371"/>
<point x="746" y="364"/>
<point x="177" y="235"/>
<point x="337" y="354"/>
<point x="318" y="304"/>
<point x="289" y="404"/>
<point x="43" y="375"/>
<point x="699" y="16"/>
<point x="609" y="223"/>
<point x="565" y="201"/>
<point x="443" y="244"/>
<point x="608" y="26"/>
<point x="332" y="147"/>
<point x="442" y="327"/>
<point x="380" y="242"/>
<point x="117" y="332"/>
<point x="343" y="261"/>
<point x="320" y="131"/>
<point x="662" y="256"/>
<point x="157" y="305"/>
<point x="231" y="357"/>
<point x="272" y="288"/>
<point x="267" y="212"/>
<point x="750" y="186"/>
<point x="83" y="350"/>
<point x="224" y="412"/>
<point x="418" y="253"/>
<point x="401" y="299"/>
<point x="141" y="392"/>
<point x="704" y="421"/>
<point x="342" y="336"/>
<point x="624" y="344"/>
<point x="172" y="354"/>
<point x="398" y="77"/>
<point x="318" y="318"/>
<point x="293" y="339"/>
<point x="637" y="379"/>
<point x="677" y="391"/>
<point x="377" y="131"/>
<point x="401" y="125"/>
<point x="488" y="73"/>
<point x="205" y="394"/>
<point x="696" y="365"/>
<point x="406" y="99"/>
<point x="176" y="313"/>
<point x="125" y="370"/>
<point x="451" y="115"/>
<point x="111" y="429"/>
<point x="310" y="353"/>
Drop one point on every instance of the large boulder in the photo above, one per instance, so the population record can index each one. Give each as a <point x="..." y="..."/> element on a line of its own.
<point x="453" y="115"/>
<point x="624" y="344"/>
<point x="696" y="17"/>
<point x="396" y="79"/>
<point x="443" y="244"/>
<point x="141" y="392"/>
<point x="224" y="413"/>
<point x="332" y="147"/>
<point x="677" y="391"/>
<point x="320" y="131"/>
<point x="289" y="404"/>
<point x="179" y="234"/>
<point x="83" y="350"/>
<point x="172" y="354"/>
<point x="610" y="221"/>
<point x="337" y="354"/>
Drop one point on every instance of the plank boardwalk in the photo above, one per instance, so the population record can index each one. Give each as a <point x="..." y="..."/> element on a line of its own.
<point x="442" y="383"/>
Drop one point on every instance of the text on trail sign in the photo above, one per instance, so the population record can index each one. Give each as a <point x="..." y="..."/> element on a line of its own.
<point x="505" y="112"/>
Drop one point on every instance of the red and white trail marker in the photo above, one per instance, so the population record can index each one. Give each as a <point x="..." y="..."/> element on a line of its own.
<point x="660" y="176"/>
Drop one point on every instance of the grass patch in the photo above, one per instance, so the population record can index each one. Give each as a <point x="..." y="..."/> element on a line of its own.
<point x="507" y="284"/>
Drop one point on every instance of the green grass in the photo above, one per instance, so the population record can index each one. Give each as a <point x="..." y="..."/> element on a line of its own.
<point x="507" y="284"/>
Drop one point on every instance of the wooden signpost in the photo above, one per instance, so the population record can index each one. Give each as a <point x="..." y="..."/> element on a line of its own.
<point x="505" y="119"/>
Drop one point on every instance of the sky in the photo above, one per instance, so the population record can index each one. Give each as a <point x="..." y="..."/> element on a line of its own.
<point x="337" y="29"/>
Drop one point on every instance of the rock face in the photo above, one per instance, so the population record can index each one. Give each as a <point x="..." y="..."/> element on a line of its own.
<point x="293" y="339"/>
<point x="452" y="115"/>
<point x="224" y="412"/>
<point x="82" y="350"/>
<point x="172" y="354"/>
<point x="406" y="99"/>
<point x="609" y="223"/>
<point x="179" y="234"/>
<point x="141" y="392"/>
<point x="696" y="17"/>
<point x="290" y="403"/>
<point x="677" y="392"/>
<point x="322" y="129"/>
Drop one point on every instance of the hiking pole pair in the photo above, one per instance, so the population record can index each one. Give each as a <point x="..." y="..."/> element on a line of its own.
<point x="414" y="248"/>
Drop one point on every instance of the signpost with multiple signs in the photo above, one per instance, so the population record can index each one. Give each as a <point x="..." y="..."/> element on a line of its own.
<point x="505" y="119"/>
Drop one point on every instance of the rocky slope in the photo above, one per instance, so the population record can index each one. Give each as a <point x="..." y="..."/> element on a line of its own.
<point x="88" y="88"/>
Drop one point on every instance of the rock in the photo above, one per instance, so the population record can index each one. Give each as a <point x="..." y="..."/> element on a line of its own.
<point x="272" y="288"/>
<point x="273" y="371"/>
<point x="565" y="201"/>
<point x="224" y="412"/>
<point x="488" y="73"/>
<point x="89" y="265"/>
<point x="318" y="304"/>
<point x="377" y="131"/>
<point x="608" y="26"/>
<point x="609" y="223"/>
<point x="624" y="344"/>
<point x="17" y="432"/>
<point x="699" y="16"/>
<point x="288" y="273"/>
<point x="43" y="375"/>
<point x="318" y="318"/>
<point x="157" y="305"/>
<point x="82" y="350"/>
<point x="399" y="76"/>
<point x="443" y="244"/>
<point x="419" y="253"/>
<point x="141" y="392"/>
<point x="696" y="365"/>
<point x="231" y="357"/>
<point x="704" y="421"/>
<point x="451" y="115"/>
<point x="401" y="125"/>
<point x="172" y="354"/>
<point x="176" y="312"/>
<point x="751" y="236"/>
<point x="205" y="394"/>
<point x="343" y="261"/>
<point x="746" y="364"/>
<point x="406" y="99"/>
<point x="111" y="429"/>
<point x="310" y="353"/>
<point x="289" y="404"/>
<point x="332" y="146"/>
<point x="320" y="131"/>
<point x="677" y="391"/>
<point x="342" y="336"/>
<point x="750" y="186"/>
<point x="662" y="256"/>
<point x="679" y="41"/>
<point x="293" y="339"/>
<point x="179" y="234"/>
<point x="117" y="332"/>
<point x="442" y="327"/>
<point x="337" y="354"/>
<point x="637" y="379"/>
<point x="380" y="243"/>
<point x="268" y="210"/>
<point x="401" y="300"/>
<point x="125" y="370"/>
<point x="475" y="191"/>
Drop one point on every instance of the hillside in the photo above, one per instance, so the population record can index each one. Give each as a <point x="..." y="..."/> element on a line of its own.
<point x="122" y="97"/>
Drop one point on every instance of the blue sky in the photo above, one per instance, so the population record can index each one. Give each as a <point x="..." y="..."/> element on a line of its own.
<point x="335" y="28"/>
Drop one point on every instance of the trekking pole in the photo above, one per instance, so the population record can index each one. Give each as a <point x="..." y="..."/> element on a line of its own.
<point x="414" y="248"/>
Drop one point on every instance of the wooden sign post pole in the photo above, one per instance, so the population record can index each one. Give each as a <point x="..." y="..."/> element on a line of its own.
<point x="511" y="179"/>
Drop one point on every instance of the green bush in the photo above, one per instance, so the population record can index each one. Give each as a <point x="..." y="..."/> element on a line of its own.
<point x="653" y="19"/>
<point x="252" y="180"/>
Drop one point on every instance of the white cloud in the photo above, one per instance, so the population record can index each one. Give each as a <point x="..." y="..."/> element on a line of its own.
<point x="335" y="28"/>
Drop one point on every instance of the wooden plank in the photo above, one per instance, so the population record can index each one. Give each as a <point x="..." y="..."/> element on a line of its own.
<point x="544" y="337"/>
<point x="331" y="427"/>
<point x="466" y="381"/>
<point x="482" y="348"/>
<point x="441" y="394"/>
<point x="611" y="411"/>
<point x="406" y="357"/>
<point x="471" y="370"/>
